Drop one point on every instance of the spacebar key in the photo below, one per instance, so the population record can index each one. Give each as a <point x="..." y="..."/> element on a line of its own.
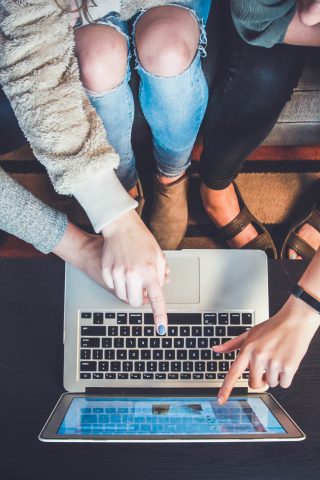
<point x="184" y="319"/>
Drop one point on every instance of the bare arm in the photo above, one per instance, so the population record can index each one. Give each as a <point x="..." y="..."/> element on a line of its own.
<point x="304" y="28"/>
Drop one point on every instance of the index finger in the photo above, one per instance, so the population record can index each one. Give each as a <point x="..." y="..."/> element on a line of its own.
<point x="158" y="305"/>
<point x="238" y="367"/>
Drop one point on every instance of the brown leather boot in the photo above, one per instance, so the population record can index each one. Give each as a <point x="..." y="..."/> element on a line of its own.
<point x="169" y="214"/>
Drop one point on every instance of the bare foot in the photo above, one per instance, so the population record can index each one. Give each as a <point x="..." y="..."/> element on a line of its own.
<point x="310" y="235"/>
<point x="222" y="206"/>
<point x="168" y="180"/>
<point x="309" y="12"/>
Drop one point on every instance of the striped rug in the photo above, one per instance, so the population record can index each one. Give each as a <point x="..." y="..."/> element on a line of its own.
<point x="273" y="184"/>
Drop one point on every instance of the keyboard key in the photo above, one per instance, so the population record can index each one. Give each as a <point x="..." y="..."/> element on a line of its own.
<point x="161" y="376"/>
<point x="134" y="354"/>
<point x="96" y="331"/>
<point x="214" y="341"/>
<point x="97" y="354"/>
<point x="109" y="315"/>
<point x="173" y="376"/>
<point x="221" y="331"/>
<point x="135" y="376"/>
<point x="124" y="331"/>
<point x="148" y="331"/>
<point x="203" y="343"/>
<point x="173" y="331"/>
<point x="148" y="376"/>
<point x="184" y="319"/>
<point x="131" y="343"/>
<point x="127" y="366"/>
<point x="235" y="331"/>
<point x="123" y="376"/>
<point x="152" y="366"/>
<point x="121" y="318"/>
<point x="212" y="366"/>
<point x="85" y="354"/>
<point x="217" y="355"/>
<point x="246" y="375"/>
<point x="184" y="331"/>
<point x="163" y="366"/>
<point x="208" y="331"/>
<point x="143" y="343"/>
<point x="115" y="366"/>
<point x="148" y="319"/>
<point x="235" y="319"/>
<point x="193" y="354"/>
<point x="223" y="319"/>
<point x="196" y="331"/>
<point x="169" y="354"/>
<point x="191" y="342"/>
<point x="197" y="376"/>
<point x="205" y="354"/>
<point x="185" y="376"/>
<point x="247" y="319"/>
<point x="199" y="366"/>
<point x="118" y="343"/>
<point x="139" y="366"/>
<point x="135" y="318"/>
<point x="154" y="342"/>
<point x="182" y="354"/>
<point x="210" y="318"/>
<point x="98" y="318"/>
<point x="187" y="366"/>
<point x="107" y="342"/>
<point x="85" y="376"/>
<point x="110" y="376"/>
<point x="86" y="315"/>
<point x="166" y="343"/>
<point x="230" y="355"/>
<point x="225" y="340"/>
<point x="145" y="354"/>
<point x="221" y="376"/>
<point x="121" y="354"/>
<point x="103" y="366"/>
<point x="113" y="331"/>
<point x="178" y="343"/>
<point x="175" y="366"/>
<point x="97" y="376"/>
<point x="109" y="354"/>
<point x="90" y="342"/>
<point x="223" y="366"/>
<point x="210" y="376"/>
<point x="88" y="366"/>
<point x="157" y="354"/>
<point x="136" y="331"/>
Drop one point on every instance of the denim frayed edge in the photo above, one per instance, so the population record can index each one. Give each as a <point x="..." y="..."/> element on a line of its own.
<point x="203" y="41"/>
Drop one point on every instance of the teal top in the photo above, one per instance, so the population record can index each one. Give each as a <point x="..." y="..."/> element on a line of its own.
<point x="262" y="22"/>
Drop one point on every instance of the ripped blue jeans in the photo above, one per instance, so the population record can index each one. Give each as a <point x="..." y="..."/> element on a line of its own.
<point x="174" y="107"/>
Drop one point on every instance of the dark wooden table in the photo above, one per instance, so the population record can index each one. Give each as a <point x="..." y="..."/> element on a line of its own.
<point x="31" y="359"/>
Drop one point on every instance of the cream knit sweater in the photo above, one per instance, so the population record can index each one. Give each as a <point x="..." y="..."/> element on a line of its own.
<point x="40" y="76"/>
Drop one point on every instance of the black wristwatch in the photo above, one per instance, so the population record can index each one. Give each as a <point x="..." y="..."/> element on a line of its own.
<point x="299" y="292"/>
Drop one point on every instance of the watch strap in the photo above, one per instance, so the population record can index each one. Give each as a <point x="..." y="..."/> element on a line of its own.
<point x="299" y="292"/>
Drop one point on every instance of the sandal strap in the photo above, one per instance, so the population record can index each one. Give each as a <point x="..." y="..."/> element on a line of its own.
<point x="239" y="223"/>
<point x="300" y="246"/>
<point x="314" y="219"/>
<point x="261" y="242"/>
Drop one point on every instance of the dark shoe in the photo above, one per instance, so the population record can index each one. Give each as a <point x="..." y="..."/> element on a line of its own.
<point x="262" y="242"/>
<point x="169" y="214"/>
<point x="311" y="216"/>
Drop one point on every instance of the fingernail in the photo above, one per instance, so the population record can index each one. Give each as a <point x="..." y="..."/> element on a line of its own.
<point x="221" y="399"/>
<point x="161" y="330"/>
<point x="293" y="256"/>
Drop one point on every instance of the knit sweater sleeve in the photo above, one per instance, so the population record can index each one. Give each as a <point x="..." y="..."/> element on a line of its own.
<point x="262" y="22"/>
<point x="40" y="76"/>
<point x="27" y="217"/>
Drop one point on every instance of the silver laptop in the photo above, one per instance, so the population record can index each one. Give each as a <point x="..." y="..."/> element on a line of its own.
<point x="213" y="295"/>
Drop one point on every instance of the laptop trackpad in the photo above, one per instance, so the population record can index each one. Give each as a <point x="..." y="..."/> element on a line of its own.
<point x="184" y="286"/>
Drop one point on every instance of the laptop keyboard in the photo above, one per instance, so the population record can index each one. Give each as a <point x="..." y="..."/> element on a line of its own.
<point x="125" y="346"/>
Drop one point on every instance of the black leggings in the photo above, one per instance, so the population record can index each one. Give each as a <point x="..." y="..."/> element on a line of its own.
<point x="251" y="87"/>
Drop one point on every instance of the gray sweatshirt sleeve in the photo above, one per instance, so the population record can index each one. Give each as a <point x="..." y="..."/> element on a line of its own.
<point x="40" y="76"/>
<point x="27" y="217"/>
<point x="262" y="22"/>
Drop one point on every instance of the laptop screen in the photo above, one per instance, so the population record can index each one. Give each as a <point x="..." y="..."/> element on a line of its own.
<point x="87" y="416"/>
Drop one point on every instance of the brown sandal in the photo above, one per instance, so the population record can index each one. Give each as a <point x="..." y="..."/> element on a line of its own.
<point x="312" y="217"/>
<point x="262" y="242"/>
